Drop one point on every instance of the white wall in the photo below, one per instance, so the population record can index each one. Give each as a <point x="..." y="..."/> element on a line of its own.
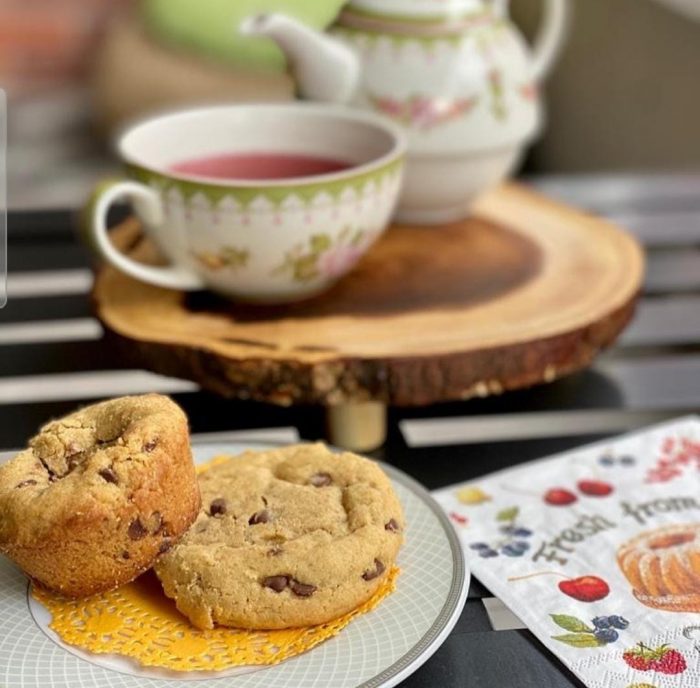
<point x="626" y="93"/>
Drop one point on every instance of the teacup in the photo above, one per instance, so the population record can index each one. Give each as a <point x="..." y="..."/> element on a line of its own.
<point x="268" y="240"/>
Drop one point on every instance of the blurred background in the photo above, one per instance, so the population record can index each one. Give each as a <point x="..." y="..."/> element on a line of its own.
<point x="624" y="95"/>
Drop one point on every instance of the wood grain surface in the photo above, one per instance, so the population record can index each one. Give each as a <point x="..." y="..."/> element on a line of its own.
<point x="525" y="291"/>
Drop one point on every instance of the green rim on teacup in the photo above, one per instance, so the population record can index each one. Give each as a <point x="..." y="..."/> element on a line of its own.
<point x="245" y="190"/>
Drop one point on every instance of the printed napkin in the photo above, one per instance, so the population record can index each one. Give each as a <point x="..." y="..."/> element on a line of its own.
<point x="597" y="550"/>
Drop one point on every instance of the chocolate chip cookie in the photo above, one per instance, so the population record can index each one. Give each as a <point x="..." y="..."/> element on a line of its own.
<point x="294" y="536"/>
<point x="99" y="495"/>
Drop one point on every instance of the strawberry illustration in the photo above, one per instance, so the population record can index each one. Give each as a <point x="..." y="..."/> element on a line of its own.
<point x="664" y="659"/>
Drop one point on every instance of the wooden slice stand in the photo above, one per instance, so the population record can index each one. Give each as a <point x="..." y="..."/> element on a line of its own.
<point x="523" y="292"/>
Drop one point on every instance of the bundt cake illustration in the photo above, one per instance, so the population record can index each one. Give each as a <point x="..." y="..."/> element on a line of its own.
<point x="663" y="567"/>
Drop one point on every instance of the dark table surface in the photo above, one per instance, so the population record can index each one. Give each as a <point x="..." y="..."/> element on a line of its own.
<point x="52" y="359"/>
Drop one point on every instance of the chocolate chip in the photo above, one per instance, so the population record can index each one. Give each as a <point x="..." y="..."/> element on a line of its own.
<point x="126" y="555"/>
<point x="301" y="589"/>
<point x="378" y="571"/>
<point x="26" y="483"/>
<point x="137" y="531"/>
<point x="259" y="517"/>
<point x="109" y="475"/>
<point x="218" y="507"/>
<point x="274" y="551"/>
<point x="165" y="546"/>
<point x="150" y="446"/>
<point x="321" y="480"/>
<point x="392" y="525"/>
<point x="276" y="583"/>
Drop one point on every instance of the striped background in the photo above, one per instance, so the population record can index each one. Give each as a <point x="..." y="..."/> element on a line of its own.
<point x="52" y="359"/>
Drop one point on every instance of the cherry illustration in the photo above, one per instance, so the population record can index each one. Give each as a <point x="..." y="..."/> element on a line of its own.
<point x="558" y="496"/>
<point x="595" y="488"/>
<point x="582" y="588"/>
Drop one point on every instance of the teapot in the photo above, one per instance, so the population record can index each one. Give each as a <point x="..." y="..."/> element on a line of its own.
<point x="455" y="73"/>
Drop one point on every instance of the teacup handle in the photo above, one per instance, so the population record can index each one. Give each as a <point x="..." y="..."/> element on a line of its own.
<point x="149" y="207"/>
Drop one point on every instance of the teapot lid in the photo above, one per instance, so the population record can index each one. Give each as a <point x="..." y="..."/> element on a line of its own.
<point x="419" y="8"/>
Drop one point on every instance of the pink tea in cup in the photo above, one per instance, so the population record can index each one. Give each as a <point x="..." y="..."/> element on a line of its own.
<point x="258" y="166"/>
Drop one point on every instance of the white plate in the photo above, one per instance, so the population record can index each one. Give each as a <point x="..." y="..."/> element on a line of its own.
<point x="378" y="649"/>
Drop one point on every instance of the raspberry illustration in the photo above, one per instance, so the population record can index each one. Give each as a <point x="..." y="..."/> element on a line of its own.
<point x="664" y="659"/>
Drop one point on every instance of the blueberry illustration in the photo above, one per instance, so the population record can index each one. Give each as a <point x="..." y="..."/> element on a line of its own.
<point x="628" y="460"/>
<point x="508" y="530"/>
<point x="511" y="551"/>
<point x="601" y="622"/>
<point x="488" y="553"/>
<point x="606" y="460"/>
<point x="520" y="545"/>
<point x="522" y="532"/>
<point x="606" y="635"/>
<point x="479" y="545"/>
<point x="618" y="622"/>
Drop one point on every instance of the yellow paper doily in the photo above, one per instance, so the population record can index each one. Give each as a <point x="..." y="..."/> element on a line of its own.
<point x="139" y="621"/>
<point x="222" y="458"/>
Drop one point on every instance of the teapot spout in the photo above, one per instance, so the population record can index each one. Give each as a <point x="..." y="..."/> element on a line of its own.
<point x="325" y="69"/>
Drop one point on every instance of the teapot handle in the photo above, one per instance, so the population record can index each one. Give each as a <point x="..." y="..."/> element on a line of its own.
<point x="550" y="38"/>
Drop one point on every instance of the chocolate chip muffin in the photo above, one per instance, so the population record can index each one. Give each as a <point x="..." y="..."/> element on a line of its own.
<point x="99" y="495"/>
<point x="295" y="536"/>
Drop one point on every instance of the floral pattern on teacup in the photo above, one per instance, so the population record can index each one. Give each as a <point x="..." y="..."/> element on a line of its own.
<point x="226" y="257"/>
<point x="324" y="257"/>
